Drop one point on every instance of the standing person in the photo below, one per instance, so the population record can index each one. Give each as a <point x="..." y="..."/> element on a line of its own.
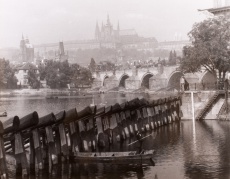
<point x="182" y="83"/>
<point x="139" y="138"/>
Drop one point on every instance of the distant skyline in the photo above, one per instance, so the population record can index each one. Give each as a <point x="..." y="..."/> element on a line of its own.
<point x="56" y="20"/>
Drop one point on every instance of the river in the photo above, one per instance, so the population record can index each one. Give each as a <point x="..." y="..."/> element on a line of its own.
<point x="183" y="149"/>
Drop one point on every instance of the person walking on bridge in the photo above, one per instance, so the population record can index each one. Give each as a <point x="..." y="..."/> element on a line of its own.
<point x="182" y="83"/>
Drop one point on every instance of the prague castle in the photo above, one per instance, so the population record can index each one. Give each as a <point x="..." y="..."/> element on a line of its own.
<point x="106" y="36"/>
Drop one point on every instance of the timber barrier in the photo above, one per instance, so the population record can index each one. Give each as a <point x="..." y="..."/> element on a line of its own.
<point x="54" y="138"/>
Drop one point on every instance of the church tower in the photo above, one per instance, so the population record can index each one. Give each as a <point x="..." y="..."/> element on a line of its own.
<point x="118" y="31"/>
<point x="23" y="48"/>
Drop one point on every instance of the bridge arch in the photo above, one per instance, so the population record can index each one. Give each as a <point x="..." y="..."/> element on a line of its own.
<point x="145" y="79"/>
<point x="104" y="80"/>
<point x="121" y="82"/>
<point x="174" y="80"/>
<point x="207" y="77"/>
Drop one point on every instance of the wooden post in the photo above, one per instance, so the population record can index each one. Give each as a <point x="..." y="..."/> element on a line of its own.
<point x="226" y="95"/>
<point x="64" y="144"/>
<point x="70" y="118"/>
<point x="19" y="152"/>
<point x="51" y="146"/>
<point x="125" y="132"/>
<point x="32" y="155"/>
<point x="37" y="148"/>
<point x="59" y="119"/>
<point x="57" y="141"/>
<point x="3" y="169"/>
<point x="150" y="116"/>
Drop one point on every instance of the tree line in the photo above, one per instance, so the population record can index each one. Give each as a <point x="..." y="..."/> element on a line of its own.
<point x="57" y="75"/>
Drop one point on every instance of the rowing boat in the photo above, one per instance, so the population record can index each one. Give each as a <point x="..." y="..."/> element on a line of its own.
<point x="130" y="157"/>
<point x="3" y="114"/>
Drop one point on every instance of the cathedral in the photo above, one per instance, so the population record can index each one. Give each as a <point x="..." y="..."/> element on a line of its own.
<point x="27" y="50"/>
<point x="108" y="34"/>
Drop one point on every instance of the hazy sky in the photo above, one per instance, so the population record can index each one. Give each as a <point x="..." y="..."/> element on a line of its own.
<point x="54" y="20"/>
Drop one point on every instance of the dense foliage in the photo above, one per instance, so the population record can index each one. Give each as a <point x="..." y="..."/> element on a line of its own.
<point x="7" y="77"/>
<point x="33" y="79"/>
<point x="59" y="74"/>
<point x="172" y="58"/>
<point x="210" y="47"/>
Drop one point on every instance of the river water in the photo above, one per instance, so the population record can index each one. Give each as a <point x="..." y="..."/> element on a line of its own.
<point x="183" y="149"/>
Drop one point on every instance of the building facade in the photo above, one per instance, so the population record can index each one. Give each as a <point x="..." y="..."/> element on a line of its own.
<point x="219" y="8"/>
<point x="22" y="74"/>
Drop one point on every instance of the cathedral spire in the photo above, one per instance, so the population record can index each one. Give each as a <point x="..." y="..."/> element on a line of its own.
<point x="108" y="21"/>
<point x="97" y="31"/>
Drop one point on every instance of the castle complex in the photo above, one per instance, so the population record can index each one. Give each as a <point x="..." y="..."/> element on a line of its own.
<point x="105" y="37"/>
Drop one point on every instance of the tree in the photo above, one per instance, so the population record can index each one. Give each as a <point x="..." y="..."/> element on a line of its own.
<point x="7" y="77"/>
<point x="33" y="78"/>
<point x="92" y="65"/>
<point x="210" y="47"/>
<point x="81" y="76"/>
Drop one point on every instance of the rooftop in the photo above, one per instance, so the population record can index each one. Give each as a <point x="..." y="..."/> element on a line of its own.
<point x="26" y="66"/>
<point x="217" y="10"/>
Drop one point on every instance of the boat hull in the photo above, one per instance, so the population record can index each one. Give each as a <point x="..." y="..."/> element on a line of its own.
<point x="116" y="157"/>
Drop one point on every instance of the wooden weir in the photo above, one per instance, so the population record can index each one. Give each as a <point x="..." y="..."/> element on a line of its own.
<point x="39" y="141"/>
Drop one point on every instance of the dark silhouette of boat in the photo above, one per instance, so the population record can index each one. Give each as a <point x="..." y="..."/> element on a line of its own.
<point x="3" y="114"/>
<point x="51" y="97"/>
<point x="130" y="157"/>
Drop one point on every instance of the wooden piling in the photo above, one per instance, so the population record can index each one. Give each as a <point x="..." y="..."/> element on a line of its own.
<point x="3" y="169"/>
<point x="70" y="118"/>
<point x="19" y="152"/>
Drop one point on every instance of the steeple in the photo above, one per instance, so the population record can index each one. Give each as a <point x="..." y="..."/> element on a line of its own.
<point x="97" y="31"/>
<point x="118" y="26"/>
<point x="22" y="37"/>
<point x="108" y="21"/>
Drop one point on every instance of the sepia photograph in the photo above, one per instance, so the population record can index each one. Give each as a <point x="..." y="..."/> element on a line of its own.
<point x="114" y="89"/>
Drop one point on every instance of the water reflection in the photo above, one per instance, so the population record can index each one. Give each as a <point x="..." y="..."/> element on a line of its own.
<point x="183" y="150"/>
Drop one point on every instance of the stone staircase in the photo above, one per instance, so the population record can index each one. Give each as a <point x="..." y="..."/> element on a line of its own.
<point x="209" y="105"/>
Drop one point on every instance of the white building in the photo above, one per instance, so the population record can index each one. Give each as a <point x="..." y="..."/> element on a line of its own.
<point x="22" y="74"/>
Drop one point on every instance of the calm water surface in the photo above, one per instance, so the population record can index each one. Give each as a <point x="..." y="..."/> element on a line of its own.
<point x="183" y="150"/>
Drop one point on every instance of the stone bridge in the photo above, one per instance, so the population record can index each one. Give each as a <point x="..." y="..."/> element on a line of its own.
<point x="154" y="78"/>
